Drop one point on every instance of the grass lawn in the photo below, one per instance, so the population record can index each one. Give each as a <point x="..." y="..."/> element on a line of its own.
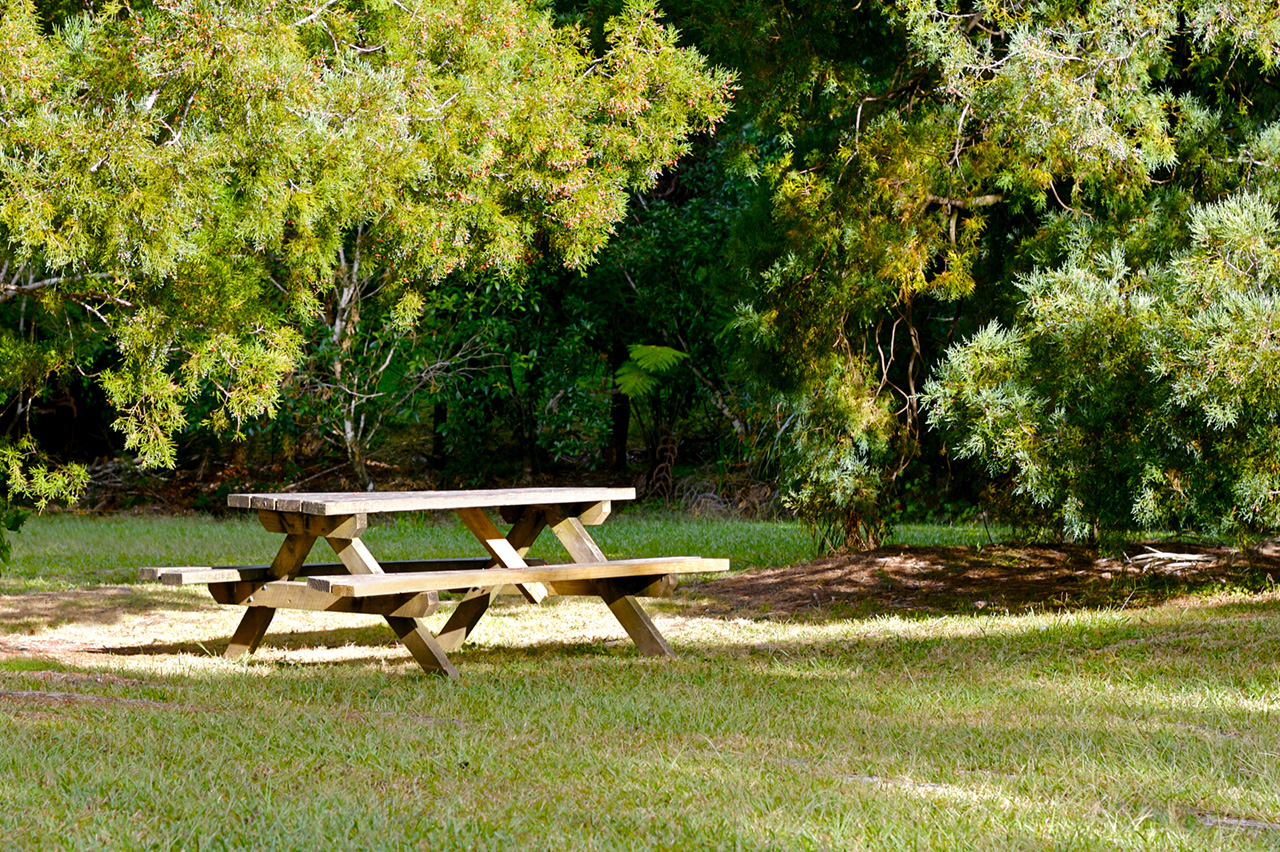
<point x="1109" y="728"/>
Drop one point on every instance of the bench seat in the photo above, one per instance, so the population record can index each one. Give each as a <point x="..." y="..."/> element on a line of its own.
<point x="367" y="585"/>
<point x="199" y="574"/>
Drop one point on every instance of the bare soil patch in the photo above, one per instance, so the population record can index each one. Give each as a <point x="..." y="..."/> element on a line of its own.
<point x="999" y="578"/>
<point x="85" y="626"/>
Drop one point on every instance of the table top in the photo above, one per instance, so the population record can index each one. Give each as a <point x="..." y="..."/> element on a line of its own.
<point x="330" y="503"/>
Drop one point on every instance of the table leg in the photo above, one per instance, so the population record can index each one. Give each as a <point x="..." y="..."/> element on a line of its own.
<point x="636" y="622"/>
<point x="583" y="548"/>
<point x="412" y="632"/>
<point x="253" y="625"/>
<point x="464" y="618"/>
<point x="507" y="551"/>
<point x="248" y="636"/>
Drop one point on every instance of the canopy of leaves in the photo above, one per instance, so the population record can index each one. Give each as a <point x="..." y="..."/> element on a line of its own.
<point x="191" y="170"/>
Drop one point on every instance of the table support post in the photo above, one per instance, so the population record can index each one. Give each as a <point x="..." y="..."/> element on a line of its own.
<point x="583" y="548"/>
<point x="464" y="618"/>
<point x="253" y="625"/>
<point x="636" y="622"/>
<point x="248" y="636"/>
<point x="425" y="649"/>
<point x="412" y="632"/>
<point x="507" y="551"/>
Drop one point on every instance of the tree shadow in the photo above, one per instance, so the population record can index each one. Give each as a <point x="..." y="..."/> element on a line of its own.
<point x="31" y="612"/>
<point x="929" y="581"/>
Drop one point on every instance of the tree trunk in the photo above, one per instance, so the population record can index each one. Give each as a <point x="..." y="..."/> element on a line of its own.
<point x="439" y="414"/>
<point x="615" y="453"/>
<point x="355" y="453"/>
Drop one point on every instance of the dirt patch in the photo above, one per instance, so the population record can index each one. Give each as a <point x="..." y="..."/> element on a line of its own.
<point x="84" y="627"/>
<point x="1000" y="578"/>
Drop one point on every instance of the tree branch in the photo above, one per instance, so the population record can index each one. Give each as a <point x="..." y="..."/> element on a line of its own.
<point x="966" y="203"/>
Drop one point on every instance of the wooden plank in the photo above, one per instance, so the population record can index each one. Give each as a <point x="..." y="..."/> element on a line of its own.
<point x="253" y="626"/>
<point x="592" y="514"/>
<point x="576" y="540"/>
<point x="199" y="574"/>
<point x="491" y="577"/>
<point x="636" y="622"/>
<point x="464" y="618"/>
<point x="660" y="586"/>
<point x="491" y="537"/>
<point x="361" y="502"/>
<point x="595" y="515"/>
<point x="355" y="555"/>
<point x="249" y="633"/>
<point x="503" y="550"/>
<point x="293" y="552"/>
<point x="423" y="646"/>
<point x="195" y="575"/>
<point x="413" y="632"/>
<point x="292" y="523"/>
<point x="294" y="594"/>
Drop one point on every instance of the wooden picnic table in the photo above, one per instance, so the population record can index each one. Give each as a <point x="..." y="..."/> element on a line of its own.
<point x="404" y="592"/>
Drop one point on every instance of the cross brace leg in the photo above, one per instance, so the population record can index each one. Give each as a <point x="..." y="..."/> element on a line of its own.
<point x="635" y="621"/>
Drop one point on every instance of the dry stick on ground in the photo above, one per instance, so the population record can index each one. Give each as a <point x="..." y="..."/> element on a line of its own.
<point x="1168" y="563"/>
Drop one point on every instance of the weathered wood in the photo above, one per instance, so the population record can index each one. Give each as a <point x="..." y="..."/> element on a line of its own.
<point x="253" y="625"/>
<point x="661" y="586"/>
<point x="355" y="555"/>
<point x="292" y="523"/>
<point x="422" y="645"/>
<point x="208" y="574"/>
<point x="352" y="503"/>
<point x="636" y="622"/>
<point x="294" y="594"/>
<point x="293" y="552"/>
<point x="382" y="584"/>
<point x="413" y="633"/>
<point x="501" y="548"/>
<point x="464" y="618"/>
<point x="576" y="540"/>
<point x="594" y="516"/>
<point x="404" y="591"/>
<point x="192" y="575"/>
<point x="249" y="632"/>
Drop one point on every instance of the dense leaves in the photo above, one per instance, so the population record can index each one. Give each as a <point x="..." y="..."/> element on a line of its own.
<point x="203" y="176"/>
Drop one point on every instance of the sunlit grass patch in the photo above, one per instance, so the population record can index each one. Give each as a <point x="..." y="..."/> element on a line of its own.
<point x="1107" y="728"/>
<point x="985" y="732"/>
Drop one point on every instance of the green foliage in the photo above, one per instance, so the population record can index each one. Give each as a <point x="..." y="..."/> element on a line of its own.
<point x="918" y="161"/>
<point x="212" y="178"/>
<point x="1144" y="398"/>
<point x="839" y="448"/>
<point x="640" y="374"/>
<point x="26" y="474"/>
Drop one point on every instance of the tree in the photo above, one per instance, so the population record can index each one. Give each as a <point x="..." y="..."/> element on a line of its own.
<point x="931" y="166"/>
<point x="1136" y="397"/>
<point x="207" y="179"/>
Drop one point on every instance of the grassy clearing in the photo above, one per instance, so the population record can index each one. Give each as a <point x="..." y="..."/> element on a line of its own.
<point x="63" y="551"/>
<point x="1098" y="729"/>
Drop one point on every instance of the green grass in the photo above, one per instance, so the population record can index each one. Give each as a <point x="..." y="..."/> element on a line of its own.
<point x="1152" y="729"/>
<point x="62" y="551"/>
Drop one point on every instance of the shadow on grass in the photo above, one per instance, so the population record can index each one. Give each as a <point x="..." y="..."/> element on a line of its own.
<point x="31" y="612"/>
<point x="926" y="581"/>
